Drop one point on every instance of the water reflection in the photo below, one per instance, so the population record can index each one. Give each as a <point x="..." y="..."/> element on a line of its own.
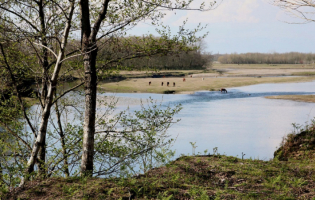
<point x="236" y="122"/>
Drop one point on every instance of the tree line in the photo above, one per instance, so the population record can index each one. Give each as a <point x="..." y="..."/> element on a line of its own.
<point x="63" y="136"/>
<point x="179" y="58"/>
<point x="268" y="58"/>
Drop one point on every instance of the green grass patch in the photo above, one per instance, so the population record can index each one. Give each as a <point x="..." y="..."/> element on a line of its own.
<point x="303" y="74"/>
<point x="193" y="177"/>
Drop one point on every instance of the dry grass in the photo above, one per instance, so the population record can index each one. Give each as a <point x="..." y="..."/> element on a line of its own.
<point x="304" y="98"/>
<point x="263" y="66"/>
<point x="191" y="84"/>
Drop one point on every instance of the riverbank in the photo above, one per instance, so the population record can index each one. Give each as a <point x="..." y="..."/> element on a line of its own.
<point x="190" y="177"/>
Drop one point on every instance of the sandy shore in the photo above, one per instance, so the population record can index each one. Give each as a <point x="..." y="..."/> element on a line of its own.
<point x="303" y="98"/>
<point x="191" y="84"/>
<point x="220" y="76"/>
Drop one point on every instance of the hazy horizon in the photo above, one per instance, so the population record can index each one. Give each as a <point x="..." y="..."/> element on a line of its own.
<point x="244" y="26"/>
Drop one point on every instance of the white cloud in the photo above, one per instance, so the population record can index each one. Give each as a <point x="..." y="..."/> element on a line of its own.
<point x="242" y="11"/>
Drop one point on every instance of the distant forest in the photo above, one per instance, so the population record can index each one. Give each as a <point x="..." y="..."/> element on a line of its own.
<point x="267" y="58"/>
<point x="178" y="61"/>
<point x="182" y="58"/>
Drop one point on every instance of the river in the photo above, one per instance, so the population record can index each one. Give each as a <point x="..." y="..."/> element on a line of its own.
<point x="241" y="121"/>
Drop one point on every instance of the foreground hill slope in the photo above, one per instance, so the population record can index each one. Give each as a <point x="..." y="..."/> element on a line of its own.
<point x="198" y="177"/>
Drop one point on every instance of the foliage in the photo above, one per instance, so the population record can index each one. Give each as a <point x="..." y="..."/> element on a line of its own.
<point x="41" y="30"/>
<point x="138" y="143"/>
<point x="14" y="78"/>
<point x="127" y="142"/>
<point x="299" y="144"/>
<point x="152" y="53"/>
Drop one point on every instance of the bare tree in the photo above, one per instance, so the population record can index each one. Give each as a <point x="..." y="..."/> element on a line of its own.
<point x="302" y="9"/>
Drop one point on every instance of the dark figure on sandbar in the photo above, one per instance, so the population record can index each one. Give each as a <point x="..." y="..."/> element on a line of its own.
<point x="168" y="84"/>
<point x="162" y="84"/>
<point x="223" y="90"/>
<point x="150" y="83"/>
<point x="173" y="84"/>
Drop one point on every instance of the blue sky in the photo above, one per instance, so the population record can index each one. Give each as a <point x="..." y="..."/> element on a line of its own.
<point x="245" y="26"/>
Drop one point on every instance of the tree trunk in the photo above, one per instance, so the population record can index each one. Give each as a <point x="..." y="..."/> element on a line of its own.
<point x="63" y="143"/>
<point x="42" y="133"/>
<point x="90" y="90"/>
<point x="42" y="149"/>
<point x="48" y="100"/>
<point x="41" y="158"/>
<point x="90" y="111"/>
<point x="1" y="176"/>
<point x="89" y="48"/>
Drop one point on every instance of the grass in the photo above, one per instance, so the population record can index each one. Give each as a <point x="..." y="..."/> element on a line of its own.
<point x="30" y="101"/>
<point x="305" y="73"/>
<point x="299" y="146"/>
<point x="303" y="98"/>
<point x="197" y="177"/>
<point x="191" y="84"/>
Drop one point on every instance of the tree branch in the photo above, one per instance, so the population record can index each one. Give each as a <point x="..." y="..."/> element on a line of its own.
<point x="20" y="16"/>
<point x="47" y="48"/>
<point x="17" y="91"/>
<point x="15" y="135"/>
<point x="99" y="20"/>
<point x="69" y="90"/>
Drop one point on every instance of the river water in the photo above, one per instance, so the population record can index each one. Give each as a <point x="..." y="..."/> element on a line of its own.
<point x="240" y="121"/>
